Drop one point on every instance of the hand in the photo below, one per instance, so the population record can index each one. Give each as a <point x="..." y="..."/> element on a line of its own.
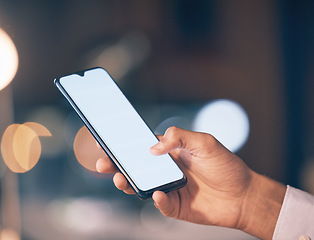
<point x="217" y="179"/>
<point x="220" y="189"/>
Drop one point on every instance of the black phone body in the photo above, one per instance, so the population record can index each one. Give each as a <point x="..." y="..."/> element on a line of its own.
<point x="120" y="131"/>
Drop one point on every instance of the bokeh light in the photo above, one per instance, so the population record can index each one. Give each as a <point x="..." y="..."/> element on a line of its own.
<point x="86" y="150"/>
<point x="85" y="215"/>
<point x="123" y="56"/>
<point x="177" y="121"/>
<point x="9" y="234"/>
<point x="8" y="60"/>
<point x="52" y="118"/>
<point x="21" y="147"/>
<point x="88" y="216"/>
<point x="226" y="120"/>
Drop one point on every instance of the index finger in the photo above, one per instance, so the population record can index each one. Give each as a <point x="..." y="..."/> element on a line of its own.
<point x="105" y="165"/>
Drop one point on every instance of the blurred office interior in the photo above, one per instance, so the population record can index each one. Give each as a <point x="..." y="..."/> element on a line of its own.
<point x="177" y="61"/>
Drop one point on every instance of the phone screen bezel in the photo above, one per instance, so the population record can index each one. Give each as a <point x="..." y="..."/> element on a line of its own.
<point x="140" y="193"/>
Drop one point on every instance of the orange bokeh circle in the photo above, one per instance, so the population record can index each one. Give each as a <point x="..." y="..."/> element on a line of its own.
<point x="86" y="150"/>
<point x="20" y="145"/>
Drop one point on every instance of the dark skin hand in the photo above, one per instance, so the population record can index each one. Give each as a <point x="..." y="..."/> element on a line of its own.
<point x="221" y="190"/>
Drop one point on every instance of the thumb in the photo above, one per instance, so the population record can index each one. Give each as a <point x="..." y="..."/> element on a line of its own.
<point x="194" y="142"/>
<point x="163" y="203"/>
<point x="173" y="138"/>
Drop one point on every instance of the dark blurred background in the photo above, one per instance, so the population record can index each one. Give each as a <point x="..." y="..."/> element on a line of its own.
<point x="170" y="58"/>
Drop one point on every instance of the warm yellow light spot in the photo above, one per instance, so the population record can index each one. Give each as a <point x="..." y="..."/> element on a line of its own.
<point x="20" y="146"/>
<point x="26" y="147"/>
<point x="9" y="234"/>
<point x="7" y="149"/>
<point x="8" y="59"/>
<point x="39" y="129"/>
<point x="85" y="149"/>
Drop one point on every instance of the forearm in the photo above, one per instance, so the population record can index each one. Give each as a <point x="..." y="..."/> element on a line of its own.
<point x="261" y="206"/>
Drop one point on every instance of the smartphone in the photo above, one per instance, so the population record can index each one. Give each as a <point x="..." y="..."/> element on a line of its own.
<point x="120" y="131"/>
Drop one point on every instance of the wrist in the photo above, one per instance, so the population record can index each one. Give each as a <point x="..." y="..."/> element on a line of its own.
<point x="261" y="206"/>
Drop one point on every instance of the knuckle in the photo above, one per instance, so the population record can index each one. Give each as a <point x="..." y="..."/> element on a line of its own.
<point x="172" y="130"/>
<point x="211" y="140"/>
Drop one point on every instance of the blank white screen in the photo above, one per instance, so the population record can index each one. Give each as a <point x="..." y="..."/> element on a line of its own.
<point x="121" y="128"/>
